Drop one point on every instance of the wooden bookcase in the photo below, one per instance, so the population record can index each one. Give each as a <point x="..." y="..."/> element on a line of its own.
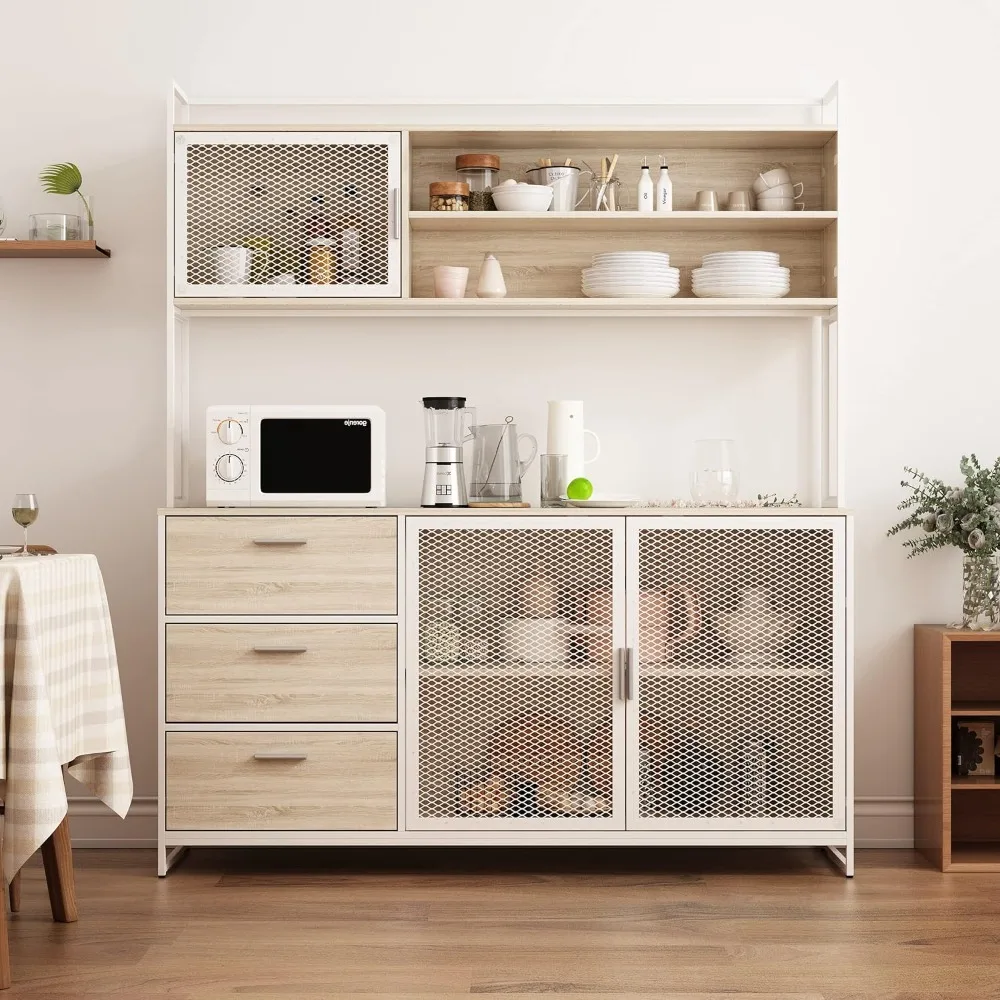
<point x="956" y="674"/>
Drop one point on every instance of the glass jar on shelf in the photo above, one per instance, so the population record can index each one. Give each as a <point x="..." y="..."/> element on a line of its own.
<point x="449" y="196"/>
<point x="481" y="172"/>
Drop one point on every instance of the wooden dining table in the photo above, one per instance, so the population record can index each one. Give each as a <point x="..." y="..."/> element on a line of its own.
<point x="62" y="709"/>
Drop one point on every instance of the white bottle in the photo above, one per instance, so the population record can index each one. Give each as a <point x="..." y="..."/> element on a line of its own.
<point x="664" y="189"/>
<point x="644" y="192"/>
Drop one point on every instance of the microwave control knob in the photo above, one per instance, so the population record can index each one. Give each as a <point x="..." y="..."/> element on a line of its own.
<point x="229" y="468"/>
<point x="229" y="431"/>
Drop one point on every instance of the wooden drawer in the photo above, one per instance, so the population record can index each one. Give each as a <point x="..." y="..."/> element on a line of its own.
<point x="292" y="565"/>
<point x="281" y="673"/>
<point x="310" y="781"/>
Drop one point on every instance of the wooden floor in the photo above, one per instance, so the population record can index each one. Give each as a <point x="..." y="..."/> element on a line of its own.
<point x="547" y="925"/>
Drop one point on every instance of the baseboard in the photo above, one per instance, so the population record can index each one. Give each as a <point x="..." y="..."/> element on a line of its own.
<point x="880" y="821"/>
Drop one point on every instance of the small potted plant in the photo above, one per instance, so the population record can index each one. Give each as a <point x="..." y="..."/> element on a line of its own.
<point x="967" y="517"/>
<point x="65" y="178"/>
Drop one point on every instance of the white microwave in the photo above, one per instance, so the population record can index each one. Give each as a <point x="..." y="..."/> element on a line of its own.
<point x="295" y="456"/>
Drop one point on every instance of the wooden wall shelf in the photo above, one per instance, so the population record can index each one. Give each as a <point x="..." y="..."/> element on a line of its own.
<point x="956" y="673"/>
<point x="53" y="249"/>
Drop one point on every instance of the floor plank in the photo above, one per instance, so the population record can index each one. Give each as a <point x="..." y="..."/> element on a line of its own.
<point x="535" y="924"/>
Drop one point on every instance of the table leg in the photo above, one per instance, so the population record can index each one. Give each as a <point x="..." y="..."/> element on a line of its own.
<point x="57" y="856"/>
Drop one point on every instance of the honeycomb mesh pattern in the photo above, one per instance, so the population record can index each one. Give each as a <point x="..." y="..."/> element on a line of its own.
<point x="515" y="686"/>
<point x="281" y="201"/>
<point x="735" y="678"/>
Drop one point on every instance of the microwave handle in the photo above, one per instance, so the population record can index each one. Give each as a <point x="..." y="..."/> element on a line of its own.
<point x="280" y="541"/>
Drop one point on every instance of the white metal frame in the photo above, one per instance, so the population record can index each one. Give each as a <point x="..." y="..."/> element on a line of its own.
<point x="842" y="750"/>
<point x="393" y="287"/>
<point x="416" y="525"/>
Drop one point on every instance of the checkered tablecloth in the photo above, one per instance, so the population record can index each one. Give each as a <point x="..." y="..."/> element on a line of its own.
<point x="62" y="699"/>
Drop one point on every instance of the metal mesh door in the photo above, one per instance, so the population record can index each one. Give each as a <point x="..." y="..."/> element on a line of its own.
<point x="738" y="717"/>
<point x="515" y="700"/>
<point x="287" y="214"/>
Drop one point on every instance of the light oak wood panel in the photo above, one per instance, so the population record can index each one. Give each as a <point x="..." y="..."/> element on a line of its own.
<point x="642" y="924"/>
<point x="691" y="169"/>
<point x="344" y="781"/>
<point x="326" y="565"/>
<point x="53" y="249"/>
<point x="281" y="673"/>
<point x="831" y="174"/>
<point x="549" y="263"/>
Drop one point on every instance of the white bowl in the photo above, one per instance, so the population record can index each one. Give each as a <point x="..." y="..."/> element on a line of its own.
<point x="523" y="197"/>
<point x="771" y="178"/>
<point x="776" y="205"/>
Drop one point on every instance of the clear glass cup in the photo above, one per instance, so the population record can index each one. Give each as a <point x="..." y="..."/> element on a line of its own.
<point x="715" y="472"/>
<point x="54" y="226"/>
<point x="24" y="510"/>
<point x="554" y="471"/>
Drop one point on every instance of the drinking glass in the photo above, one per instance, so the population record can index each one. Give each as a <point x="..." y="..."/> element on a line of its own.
<point x="25" y="510"/>
<point x="715" y="473"/>
<point x="3" y="218"/>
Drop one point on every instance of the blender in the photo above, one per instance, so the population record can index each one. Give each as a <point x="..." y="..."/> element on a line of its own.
<point x="446" y="430"/>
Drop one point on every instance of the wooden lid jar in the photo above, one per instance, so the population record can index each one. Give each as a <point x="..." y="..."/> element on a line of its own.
<point x="449" y="196"/>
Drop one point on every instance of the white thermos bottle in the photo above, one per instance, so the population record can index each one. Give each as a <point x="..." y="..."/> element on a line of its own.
<point x="566" y="435"/>
<point x="664" y="189"/>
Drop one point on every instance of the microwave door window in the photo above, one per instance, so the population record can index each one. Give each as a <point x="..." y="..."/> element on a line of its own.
<point x="315" y="456"/>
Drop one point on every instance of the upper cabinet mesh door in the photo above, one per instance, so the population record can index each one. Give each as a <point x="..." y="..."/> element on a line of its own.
<point x="512" y="709"/>
<point x="738" y="630"/>
<point x="287" y="214"/>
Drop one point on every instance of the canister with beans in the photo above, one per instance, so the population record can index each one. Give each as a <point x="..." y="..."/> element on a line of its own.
<point x="481" y="171"/>
<point x="449" y="196"/>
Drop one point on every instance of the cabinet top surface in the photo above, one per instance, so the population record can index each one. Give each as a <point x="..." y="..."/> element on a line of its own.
<point x="952" y="634"/>
<point x="503" y="512"/>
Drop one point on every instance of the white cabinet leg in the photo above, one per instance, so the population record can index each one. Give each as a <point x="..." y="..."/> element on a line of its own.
<point x="843" y="859"/>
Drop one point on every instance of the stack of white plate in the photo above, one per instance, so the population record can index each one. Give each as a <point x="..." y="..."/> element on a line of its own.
<point x="740" y="274"/>
<point x="631" y="274"/>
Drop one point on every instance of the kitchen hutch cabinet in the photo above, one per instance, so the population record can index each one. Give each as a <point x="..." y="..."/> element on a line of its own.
<point x="398" y="676"/>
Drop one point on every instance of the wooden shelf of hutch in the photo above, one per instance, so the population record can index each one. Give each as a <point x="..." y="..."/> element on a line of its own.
<point x="956" y="673"/>
<point x="53" y="249"/>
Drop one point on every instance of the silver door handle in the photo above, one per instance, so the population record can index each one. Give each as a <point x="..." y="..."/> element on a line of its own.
<point x="395" y="213"/>
<point x="621" y="656"/>
<point x="280" y="541"/>
<point x="629" y="675"/>
<point x="281" y="756"/>
<point x="279" y="649"/>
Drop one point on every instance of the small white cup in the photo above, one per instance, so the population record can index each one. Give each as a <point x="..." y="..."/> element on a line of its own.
<point x="706" y="201"/>
<point x="771" y="178"/>
<point x="232" y="265"/>
<point x="779" y="205"/>
<point x="785" y="191"/>
<point x="450" y="282"/>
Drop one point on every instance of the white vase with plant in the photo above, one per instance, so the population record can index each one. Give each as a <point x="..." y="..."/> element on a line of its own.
<point x="967" y="517"/>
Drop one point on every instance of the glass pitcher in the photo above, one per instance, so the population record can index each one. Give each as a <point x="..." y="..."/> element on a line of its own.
<point x="497" y="466"/>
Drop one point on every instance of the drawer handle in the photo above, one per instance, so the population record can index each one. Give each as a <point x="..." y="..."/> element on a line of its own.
<point x="280" y="756"/>
<point x="280" y="649"/>
<point x="280" y="541"/>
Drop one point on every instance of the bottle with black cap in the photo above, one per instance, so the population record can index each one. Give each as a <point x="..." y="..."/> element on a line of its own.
<point x="447" y="431"/>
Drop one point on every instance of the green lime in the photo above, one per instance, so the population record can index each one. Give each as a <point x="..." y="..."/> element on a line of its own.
<point x="580" y="489"/>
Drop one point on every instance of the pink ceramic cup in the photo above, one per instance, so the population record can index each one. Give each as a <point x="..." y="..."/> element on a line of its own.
<point x="450" y="282"/>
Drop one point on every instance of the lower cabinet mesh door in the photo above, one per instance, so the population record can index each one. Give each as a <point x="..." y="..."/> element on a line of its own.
<point x="737" y="627"/>
<point x="514" y="695"/>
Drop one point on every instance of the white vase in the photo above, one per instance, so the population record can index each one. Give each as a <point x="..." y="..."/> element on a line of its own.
<point x="491" y="284"/>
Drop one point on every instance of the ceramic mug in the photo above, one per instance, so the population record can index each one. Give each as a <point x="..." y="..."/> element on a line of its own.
<point x="706" y="201"/>
<point x="785" y="191"/>
<point x="232" y="265"/>
<point x="771" y="178"/>
<point x="450" y="282"/>
<point x="780" y="205"/>
<point x="739" y="201"/>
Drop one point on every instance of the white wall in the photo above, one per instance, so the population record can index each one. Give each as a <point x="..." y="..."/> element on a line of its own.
<point x="81" y="346"/>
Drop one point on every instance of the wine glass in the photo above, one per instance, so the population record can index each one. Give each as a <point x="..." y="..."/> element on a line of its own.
<point x="25" y="511"/>
<point x="715" y="473"/>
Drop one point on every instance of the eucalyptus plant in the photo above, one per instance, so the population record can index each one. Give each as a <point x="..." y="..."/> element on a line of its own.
<point x="964" y="516"/>
<point x="65" y="178"/>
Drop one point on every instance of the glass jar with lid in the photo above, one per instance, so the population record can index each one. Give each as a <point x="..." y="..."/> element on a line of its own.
<point x="481" y="171"/>
<point x="449" y="196"/>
